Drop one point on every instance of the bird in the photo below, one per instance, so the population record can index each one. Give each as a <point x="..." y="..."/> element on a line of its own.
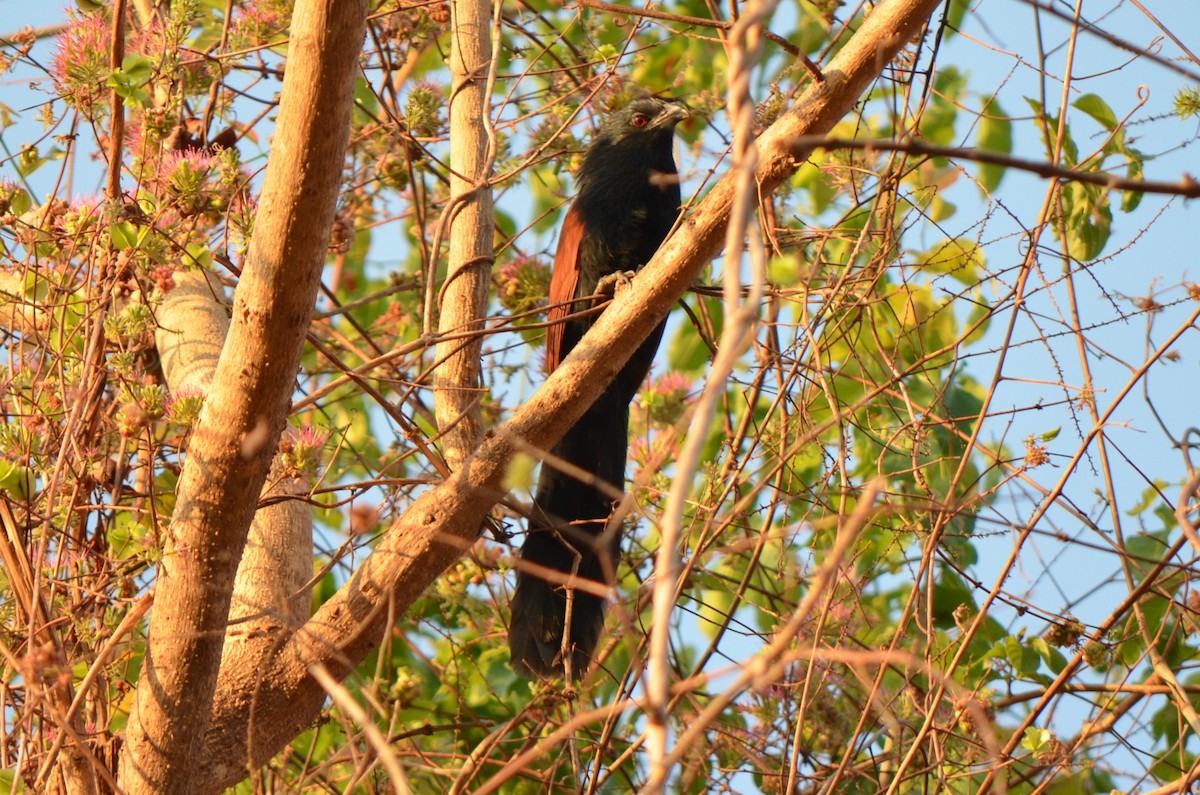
<point x="627" y="202"/>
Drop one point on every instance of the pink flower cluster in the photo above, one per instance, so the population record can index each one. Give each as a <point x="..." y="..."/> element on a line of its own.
<point x="80" y="65"/>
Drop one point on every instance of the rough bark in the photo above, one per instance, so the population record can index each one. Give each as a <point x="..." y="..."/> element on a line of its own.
<point x="271" y="593"/>
<point x="445" y="520"/>
<point x="271" y="596"/>
<point x="458" y="383"/>
<point x="193" y="321"/>
<point x="232" y="447"/>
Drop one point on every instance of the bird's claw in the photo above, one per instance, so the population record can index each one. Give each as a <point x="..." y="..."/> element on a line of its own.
<point x="614" y="282"/>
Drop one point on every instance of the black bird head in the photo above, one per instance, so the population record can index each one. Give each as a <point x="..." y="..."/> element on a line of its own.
<point x="633" y="148"/>
<point x="647" y="118"/>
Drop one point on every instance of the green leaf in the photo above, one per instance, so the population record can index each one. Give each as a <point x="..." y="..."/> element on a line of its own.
<point x="124" y="235"/>
<point x="949" y="593"/>
<point x="1052" y="657"/>
<point x="29" y="161"/>
<point x="950" y="82"/>
<point x="1024" y="660"/>
<point x="332" y="515"/>
<point x="138" y="68"/>
<point x="994" y="134"/>
<point x="607" y="51"/>
<point x="1098" y="109"/>
<point x="979" y="317"/>
<point x="955" y="15"/>
<point x="16" y="480"/>
<point x="364" y="97"/>
<point x="1150" y="496"/>
<point x="1131" y="651"/>
<point x="127" y="537"/>
<point x="359" y="434"/>
<point x="784" y="270"/>
<point x="714" y="609"/>
<point x="937" y="123"/>
<point x="688" y="352"/>
<point x="1130" y="199"/>
<point x="717" y="591"/>
<point x="10" y="783"/>
<point x="198" y="256"/>
<point x="19" y="202"/>
<point x="1164" y="723"/>
<point x="810" y="178"/>
<point x="1050" y="436"/>
<point x="127" y="81"/>
<point x="1070" y="148"/>
<point x="519" y="475"/>
<point x="1035" y="739"/>
<point x="1088" y="222"/>
<point x="956" y="257"/>
<point x="505" y="224"/>
<point x="940" y="209"/>
<point x="1155" y="610"/>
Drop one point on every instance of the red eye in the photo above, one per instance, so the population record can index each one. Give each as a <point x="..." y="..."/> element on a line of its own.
<point x="640" y="120"/>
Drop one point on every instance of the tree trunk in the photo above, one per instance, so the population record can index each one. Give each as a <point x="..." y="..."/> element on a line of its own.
<point x="233" y="444"/>
<point x="458" y="384"/>
<point x="271" y="597"/>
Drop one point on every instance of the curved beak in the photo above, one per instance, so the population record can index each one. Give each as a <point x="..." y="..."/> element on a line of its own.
<point x="674" y="111"/>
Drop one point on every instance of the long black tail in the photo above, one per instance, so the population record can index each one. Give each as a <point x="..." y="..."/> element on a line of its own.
<point x="566" y="525"/>
<point x="568" y="520"/>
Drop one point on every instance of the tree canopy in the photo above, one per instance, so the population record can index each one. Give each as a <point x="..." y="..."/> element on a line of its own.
<point x="912" y="502"/>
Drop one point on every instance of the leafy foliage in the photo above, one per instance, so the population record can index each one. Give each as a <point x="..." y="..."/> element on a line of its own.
<point x="904" y="338"/>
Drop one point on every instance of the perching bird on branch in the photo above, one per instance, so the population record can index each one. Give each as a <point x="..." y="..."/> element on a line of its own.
<point x="628" y="201"/>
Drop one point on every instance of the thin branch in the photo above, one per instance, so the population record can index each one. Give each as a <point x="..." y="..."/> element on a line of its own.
<point x="1187" y="186"/>
<point x="117" y="130"/>
<point x="744" y="49"/>
<point x="683" y="19"/>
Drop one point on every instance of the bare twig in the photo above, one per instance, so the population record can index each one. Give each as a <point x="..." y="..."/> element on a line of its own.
<point x="719" y="24"/>
<point x="744" y="47"/>
<point x="1187" y="186"/>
